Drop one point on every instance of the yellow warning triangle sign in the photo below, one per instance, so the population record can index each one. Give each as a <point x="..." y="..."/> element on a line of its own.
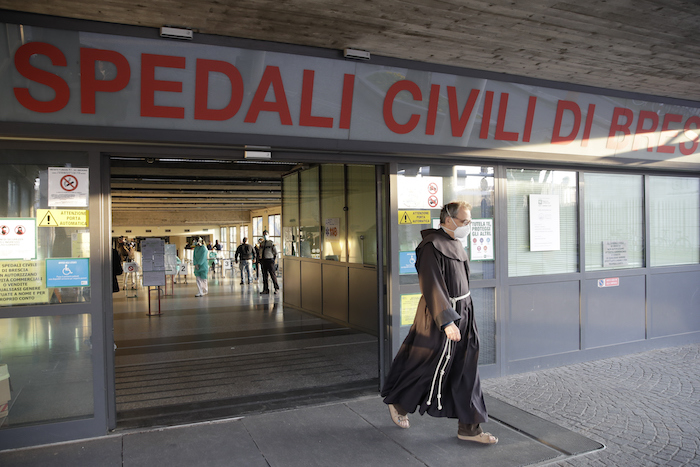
<point x="405" y="219"/>
<point x="49" y="220"/>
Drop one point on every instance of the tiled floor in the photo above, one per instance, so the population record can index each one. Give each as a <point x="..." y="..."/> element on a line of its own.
<point x="231" y="350"/>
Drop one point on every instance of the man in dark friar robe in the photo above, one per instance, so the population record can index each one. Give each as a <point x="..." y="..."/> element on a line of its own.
<point x="436" y="368"/>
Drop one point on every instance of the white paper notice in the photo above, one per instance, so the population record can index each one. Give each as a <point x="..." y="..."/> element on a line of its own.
<point x="545" y="232"/>
<point x="419" y="192"/>
<point x="18" y="238"/>
<point x="68" y="187"/>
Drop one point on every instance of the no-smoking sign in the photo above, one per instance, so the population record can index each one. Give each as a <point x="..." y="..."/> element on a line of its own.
<point x="69" y="182"/>
<point x="69" y="187"/>
<point x="420" y="192"/>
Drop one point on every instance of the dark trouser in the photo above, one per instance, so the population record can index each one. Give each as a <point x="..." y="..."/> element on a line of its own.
<point x="268" y="268"/>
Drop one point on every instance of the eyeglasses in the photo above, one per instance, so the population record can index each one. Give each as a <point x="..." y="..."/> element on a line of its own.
<point x="463" y="221"/>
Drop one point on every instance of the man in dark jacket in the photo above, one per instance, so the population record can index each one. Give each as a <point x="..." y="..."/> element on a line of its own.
<point x="436" y="368"/>
<point x="268" y="255"/>
<point x="244" y="252"/>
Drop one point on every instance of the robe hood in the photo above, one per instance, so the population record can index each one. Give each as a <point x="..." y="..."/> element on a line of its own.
<point x="441" y="240"/>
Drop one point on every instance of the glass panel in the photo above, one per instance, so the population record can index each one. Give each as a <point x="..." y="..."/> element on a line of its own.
<point x="49" y="361"/>
<point x="554" y="248"/>
<point x="45" y="240"/>
<point x="224" y="239"/>
<point x="233" y="240"/>
<point x="290" y="213"/>
<point x="674" y="220"/>
<point x="333" y="211"/>
<point x="362" y="217"/>
<point x="428" y="188"/>
<point x="273" y="222"/>
<point x="614" y="221"/>
<point x="484" y="301"/>
<point x="257" y="226"/>
<point x="310" y="224"/>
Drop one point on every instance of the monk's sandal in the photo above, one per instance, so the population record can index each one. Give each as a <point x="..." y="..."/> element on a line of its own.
<point x="483" y="438"/>
<point x="400" y="420"/>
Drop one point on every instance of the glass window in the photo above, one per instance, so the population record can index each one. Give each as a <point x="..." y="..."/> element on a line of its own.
<point x="614" y="221"/>
<point x="273" y="223"/>
<point x="310" y="224"/>
<point x="45" y="240"/>
<point x="223" y="235"/>
<point x="542" y="222"/>
<point x="290" y="214"/>
<point x="362" y="215"/>
<point x="333" y="211"/>
<point x="257" y="226"/>
<point x="49" y="361"/>
<point x="674" y="220"/>
<point x="233" y="240"/>
<point x="429" y="188"/>
<point x="244" y="234"/>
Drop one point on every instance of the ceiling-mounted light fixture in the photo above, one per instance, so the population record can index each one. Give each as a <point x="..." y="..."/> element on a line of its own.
<point x="356" y="53"/>
<point x="257" y="152"/>
<point x="176" y="33"/>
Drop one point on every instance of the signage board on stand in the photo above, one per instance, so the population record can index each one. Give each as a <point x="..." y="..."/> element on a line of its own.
<point x="153" y="262"/>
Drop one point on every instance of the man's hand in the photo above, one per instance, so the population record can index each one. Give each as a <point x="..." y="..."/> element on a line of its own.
<point x="452" y="332"/>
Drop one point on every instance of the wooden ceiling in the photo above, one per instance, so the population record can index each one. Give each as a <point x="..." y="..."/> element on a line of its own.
<point x="646" y="46"/>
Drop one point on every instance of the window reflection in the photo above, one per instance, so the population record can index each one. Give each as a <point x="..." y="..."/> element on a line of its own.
<point x="49" y="360"/>
<point x="43" y="229"/>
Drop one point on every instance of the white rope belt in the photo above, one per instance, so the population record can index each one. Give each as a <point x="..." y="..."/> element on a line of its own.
<point x="444" y="360"/>
<point x="454" y="300"/>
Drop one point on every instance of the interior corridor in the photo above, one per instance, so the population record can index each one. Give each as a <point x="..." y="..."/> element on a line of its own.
<point x="231" y="352"/>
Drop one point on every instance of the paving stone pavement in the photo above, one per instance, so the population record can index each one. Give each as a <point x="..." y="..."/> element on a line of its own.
<point x="645" y="407"/>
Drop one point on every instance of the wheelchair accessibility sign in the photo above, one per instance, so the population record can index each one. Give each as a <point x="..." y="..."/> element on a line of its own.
<point x="68" y="272"/>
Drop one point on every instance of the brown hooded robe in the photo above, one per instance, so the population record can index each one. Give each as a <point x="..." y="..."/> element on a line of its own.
<point x="415" y="379"/>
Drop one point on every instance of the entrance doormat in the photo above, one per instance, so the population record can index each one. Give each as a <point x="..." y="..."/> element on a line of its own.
<point x="548" y="433"/>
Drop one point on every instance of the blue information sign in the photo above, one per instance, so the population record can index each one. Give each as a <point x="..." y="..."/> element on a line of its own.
<point x="407" y="262"/>
<point x="68" y="272"/>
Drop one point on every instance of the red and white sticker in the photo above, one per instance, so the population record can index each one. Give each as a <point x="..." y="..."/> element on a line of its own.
<point x="609" y="282"/>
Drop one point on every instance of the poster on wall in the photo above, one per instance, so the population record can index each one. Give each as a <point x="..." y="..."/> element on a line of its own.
<point x="419" y="192"/>
<point x="22" y="283"/>
<point x="481" y="240"/>
<point x="545" y="231"/>
<point x="332" y="231"/>
<point x="18" y="238"/>
<point x="68" y="187"/>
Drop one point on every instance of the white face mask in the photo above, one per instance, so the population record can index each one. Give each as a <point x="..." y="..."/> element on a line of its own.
<point x="460" y="232"/>
<point x="463" y="231"/>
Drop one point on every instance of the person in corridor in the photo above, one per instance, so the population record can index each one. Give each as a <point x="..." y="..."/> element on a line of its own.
<point x="245" y="253"/>
<point x="268" y="255"/>
<point x="435" y="370"/>
<point x="201" y="267"/>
